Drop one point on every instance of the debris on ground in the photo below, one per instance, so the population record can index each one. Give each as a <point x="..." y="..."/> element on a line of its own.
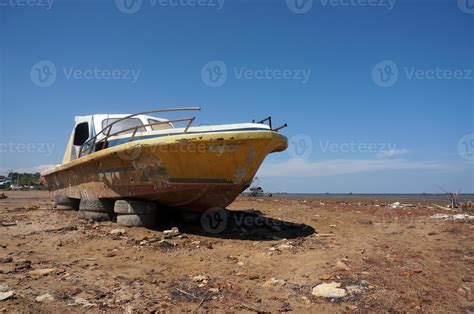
<point x="274" y="282"/>
<point x="41" y="272"/>
<point x="3" y="196"/>
<point x="340" y="265"/>
<point x="174" y="232"/>
<point x="329" y="290"/>
<point x="8" y="224"/>
<point x="325" y="277"/>
<point x="96" y="267"/>
<point x="6" y="295"/>
<point x="45" y="298"/>
<point x="118" y="232"/>
<point x="6" y="260"/>
<point x="82" y="302"/>
<point x="452" y="217"/>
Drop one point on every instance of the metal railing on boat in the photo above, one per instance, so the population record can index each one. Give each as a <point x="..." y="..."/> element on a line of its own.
<point x="93" y="142"/>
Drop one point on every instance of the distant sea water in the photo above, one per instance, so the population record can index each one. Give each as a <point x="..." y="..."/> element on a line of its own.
<point x="381" y="197"/>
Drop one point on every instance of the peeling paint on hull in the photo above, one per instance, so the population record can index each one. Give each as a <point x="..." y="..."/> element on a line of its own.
<point x="198" y="172"/>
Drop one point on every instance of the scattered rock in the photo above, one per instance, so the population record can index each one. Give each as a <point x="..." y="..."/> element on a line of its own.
<point x="3" y="196"/>
<point x="83" y="302"/>
<point x="41" y="272"/>
<point x="274" y="282"/>
<point x="452" y="217"/>
<point x="118" y="232"/>
<point x="340" y="265"/>
<point x="325" y="277"/>
<point x="6" y="260"/>
<point x="165" y="245"/>
<point x="6" y="295"/>
<point x="329" y="290"/>
<point x="45" y="298"/>
<point x="200" y="278"/>
<point x="285" y="246"/>
<point x="174" y="232"/>
<point x="395" y="205"/>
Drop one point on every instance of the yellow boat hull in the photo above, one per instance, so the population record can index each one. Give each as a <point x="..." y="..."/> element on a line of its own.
<point x="198" y="171"/>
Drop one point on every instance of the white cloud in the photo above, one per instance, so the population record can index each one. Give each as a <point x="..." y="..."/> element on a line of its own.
<point x="40" y="168"/>
<point x="302" y="168"/>
<point x="392" y="153"/>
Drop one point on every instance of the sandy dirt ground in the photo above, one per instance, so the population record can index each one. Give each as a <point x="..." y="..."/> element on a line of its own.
<point x="271" y="256"/>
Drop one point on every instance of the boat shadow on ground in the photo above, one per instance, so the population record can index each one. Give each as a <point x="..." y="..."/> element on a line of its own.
<point x="238" y="224"/>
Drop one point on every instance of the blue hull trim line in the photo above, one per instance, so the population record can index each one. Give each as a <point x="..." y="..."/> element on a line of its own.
<point x="145" y="137"/>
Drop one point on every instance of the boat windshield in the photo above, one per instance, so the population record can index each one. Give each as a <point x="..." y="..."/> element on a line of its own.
<point x="124" y="125"/>
<point x="156" y="127"/>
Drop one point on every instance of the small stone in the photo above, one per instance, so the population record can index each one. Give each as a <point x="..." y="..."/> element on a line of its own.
<point x="41" y="272"/>
<point x="340" y="265"/>
<point x="325" y="277"/>
<point x="274" y="282"/>
<point x="305" y="300"/>
<point x="6" y="260"/>
<point x="240" y="263"/>
<point x="45" y="298"/>
<point x="118" y="232"/>
<point x="200" y="278"/>
<point x="174" y="232"/>
<point x="214" y="290"/>
<point x="329" y="290"/>
<point x="6" y="295"/>
<point x="462" y="292"/>
<point x="284" y="247"/>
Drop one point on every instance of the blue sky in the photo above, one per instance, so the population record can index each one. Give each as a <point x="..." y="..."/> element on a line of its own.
<point x="379" y="95"/>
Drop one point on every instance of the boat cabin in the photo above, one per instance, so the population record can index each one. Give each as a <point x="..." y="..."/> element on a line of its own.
<point x="91" y="130"/>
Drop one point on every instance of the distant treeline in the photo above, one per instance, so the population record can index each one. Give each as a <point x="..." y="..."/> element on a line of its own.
<point x="24" y="179"/>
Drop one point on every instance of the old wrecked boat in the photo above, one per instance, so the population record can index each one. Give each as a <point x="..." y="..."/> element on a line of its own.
<point x="139" y="156"/>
